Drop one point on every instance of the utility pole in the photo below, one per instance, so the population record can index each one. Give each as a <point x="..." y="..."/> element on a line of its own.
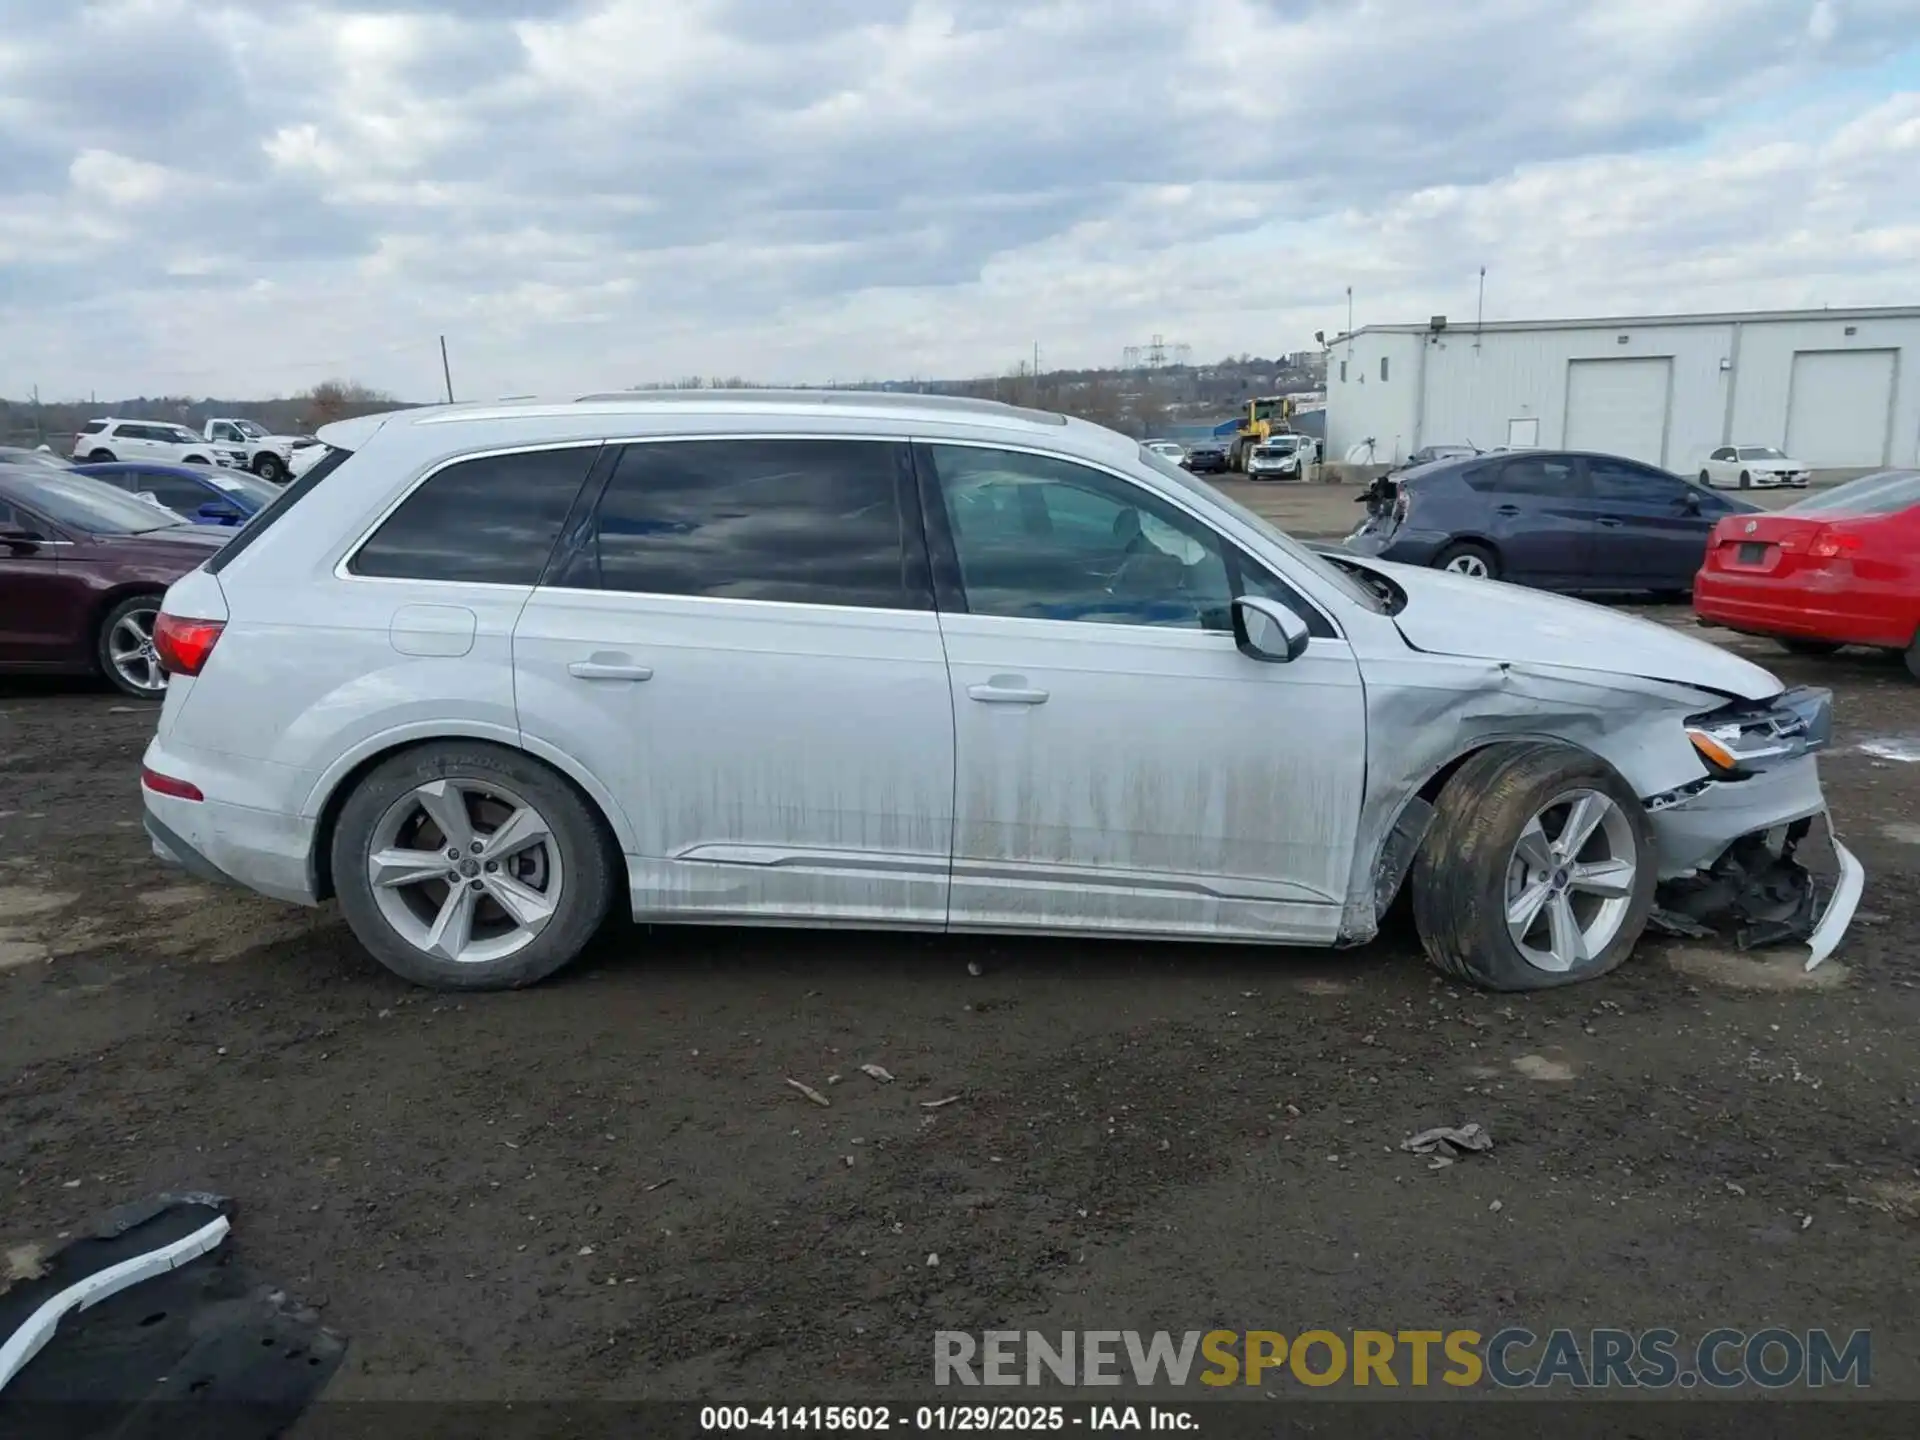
<point x="1480" y="308"/>
<point x="39" y="430"/>
<point x="1036" y="361"/>
<point x="445" y="372"/>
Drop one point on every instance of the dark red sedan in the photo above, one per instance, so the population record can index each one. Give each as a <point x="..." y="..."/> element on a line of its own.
<point x="82" y="570"/>
<point x="1841" y="567"/>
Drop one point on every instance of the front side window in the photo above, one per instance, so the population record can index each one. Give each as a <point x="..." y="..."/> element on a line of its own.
<point x="1047" y="539"/>
<point x="800" y="522"/>
<point x="491" y="520"/>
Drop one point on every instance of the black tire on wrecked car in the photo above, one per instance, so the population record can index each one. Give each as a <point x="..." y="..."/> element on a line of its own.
<point x="467" y="866"/>
<point x="1494" y="894"/>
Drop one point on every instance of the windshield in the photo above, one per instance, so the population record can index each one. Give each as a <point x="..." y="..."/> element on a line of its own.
<point x="249" y="429"/>
<point x="83" y="503"/>
<point x="1322" y="568"/>
<point x="1878" y="494"/>
<point x="1760" y="452"/>
<point x="1280" y="446"/>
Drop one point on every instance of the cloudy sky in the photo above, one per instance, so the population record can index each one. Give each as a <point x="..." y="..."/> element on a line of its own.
<point x="243" y="197"/>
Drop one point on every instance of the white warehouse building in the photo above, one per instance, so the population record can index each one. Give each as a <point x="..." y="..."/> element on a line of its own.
<point x="1837" y="389"/>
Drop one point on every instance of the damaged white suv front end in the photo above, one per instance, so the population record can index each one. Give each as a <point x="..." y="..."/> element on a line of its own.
<point x="1719" y="756"/>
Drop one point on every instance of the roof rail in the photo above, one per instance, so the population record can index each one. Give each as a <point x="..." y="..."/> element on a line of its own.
<point x="848" y="399"/>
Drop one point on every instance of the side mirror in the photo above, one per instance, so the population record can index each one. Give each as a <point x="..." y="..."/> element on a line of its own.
<point x="1691" y="504"/>
<point x="1267" y="630"/>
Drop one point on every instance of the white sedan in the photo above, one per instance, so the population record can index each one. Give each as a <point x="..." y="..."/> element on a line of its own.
<point x="1747" y="466"/>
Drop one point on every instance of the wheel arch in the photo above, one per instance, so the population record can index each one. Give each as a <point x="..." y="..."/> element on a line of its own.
<point x="1427" y="793"/>
<point x="330" y="794"/>
<point x="106" y="600"/>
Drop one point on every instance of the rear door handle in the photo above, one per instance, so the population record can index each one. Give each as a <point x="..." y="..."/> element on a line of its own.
<point x="602" y="670"/>
<point x="1611" y="522"/>
<point x="1506" y="509"/>
<point x="992" y="694"/>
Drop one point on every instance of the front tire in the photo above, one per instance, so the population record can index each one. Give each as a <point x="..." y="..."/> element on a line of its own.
<point x="467" y="866"/>
<point x="1538" y="870"/>
<point x="270" y="468"/>
<point x="1746" y="480"/>
<point x="123" y="648"/>
<point x="1463" y="557"/>
<point x="196" y="460"/>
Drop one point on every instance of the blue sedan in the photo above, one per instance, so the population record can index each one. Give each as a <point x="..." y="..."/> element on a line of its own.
<point x="195" y="492"/>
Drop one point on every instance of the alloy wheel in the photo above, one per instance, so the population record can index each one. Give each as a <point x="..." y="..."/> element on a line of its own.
<point x="1570" y="880"/>
<point x="465" y="870"/>
<point x="1471" y="565"/>
<point x="130" y="651"/>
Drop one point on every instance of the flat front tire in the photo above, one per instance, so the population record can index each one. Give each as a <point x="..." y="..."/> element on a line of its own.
<point x="467" y="866"/>
<point x="1537" y="871"/>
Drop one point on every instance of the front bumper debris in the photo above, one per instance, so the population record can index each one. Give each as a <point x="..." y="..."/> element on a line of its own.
<point x="1761" y="892"/>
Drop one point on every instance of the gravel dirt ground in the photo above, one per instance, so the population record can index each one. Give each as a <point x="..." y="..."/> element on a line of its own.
<point x="604" y="1187"/>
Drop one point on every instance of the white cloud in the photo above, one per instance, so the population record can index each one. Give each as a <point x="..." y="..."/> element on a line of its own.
<point x="581" y="194"/>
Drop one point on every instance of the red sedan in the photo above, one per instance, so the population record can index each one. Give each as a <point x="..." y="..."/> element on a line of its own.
<point x="1841" y="567"/>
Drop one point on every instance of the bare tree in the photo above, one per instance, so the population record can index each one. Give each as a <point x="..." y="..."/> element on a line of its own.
<point x="332" y="400"/>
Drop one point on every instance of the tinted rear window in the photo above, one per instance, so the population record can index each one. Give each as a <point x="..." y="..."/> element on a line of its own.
<point x="93" y="427"/>
<point x="816" y="522"/>
<point x="282" y="503"/>
<point x="492" y="520"/>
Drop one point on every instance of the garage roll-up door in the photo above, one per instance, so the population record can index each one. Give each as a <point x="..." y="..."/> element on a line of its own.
<point x="1837" y="410"/>
<point x="1619" y="407"/>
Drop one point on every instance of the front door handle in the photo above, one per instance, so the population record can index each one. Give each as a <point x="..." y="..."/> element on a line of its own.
<point x="1610" y="522"/>
<point x="604" y="670"/>
<point x="994" y="693"/>
<point x="1506" y="509"/>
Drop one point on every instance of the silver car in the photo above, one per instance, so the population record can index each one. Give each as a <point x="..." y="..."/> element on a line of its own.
<point x="867" y="660"/>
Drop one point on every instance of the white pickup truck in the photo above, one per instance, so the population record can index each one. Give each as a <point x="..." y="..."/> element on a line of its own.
<point x="271" y="457"/>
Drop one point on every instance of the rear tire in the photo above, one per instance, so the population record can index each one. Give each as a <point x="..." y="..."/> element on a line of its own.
<point x="1912" y="658"/>
<point x="1496" y="845"/>
<point x="1706" y="479"/>
<point x="1464" y="557"/>
<point x="102" y="457"/>
<point x="123" y="648"/>
<point x="443" y="922"/>
<point x="1807" y="647"/>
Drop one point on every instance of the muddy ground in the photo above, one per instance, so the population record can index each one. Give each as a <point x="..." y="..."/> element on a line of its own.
<point x="603" y="1187"/>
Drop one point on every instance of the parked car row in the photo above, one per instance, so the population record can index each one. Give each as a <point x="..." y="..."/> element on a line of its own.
<point x="227" y="443"/>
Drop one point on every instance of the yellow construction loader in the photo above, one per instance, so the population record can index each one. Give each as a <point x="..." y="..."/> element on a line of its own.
<point x="1268" y="415"/>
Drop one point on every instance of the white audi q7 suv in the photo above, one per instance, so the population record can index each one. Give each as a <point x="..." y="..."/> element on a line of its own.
<point x="485" y="672"/>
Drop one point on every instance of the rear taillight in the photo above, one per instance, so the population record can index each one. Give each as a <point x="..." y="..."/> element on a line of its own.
<point x="184" y="645"/>
<point x="167" y="785"/>
<point x="1831" y="544"/>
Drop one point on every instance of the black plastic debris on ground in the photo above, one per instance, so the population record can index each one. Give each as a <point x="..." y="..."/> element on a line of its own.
<point x="207" y="1349"/>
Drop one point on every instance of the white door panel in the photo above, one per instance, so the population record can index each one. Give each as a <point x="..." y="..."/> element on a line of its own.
<point x="778" y="761"/>
<point x="1165" y="783"/>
